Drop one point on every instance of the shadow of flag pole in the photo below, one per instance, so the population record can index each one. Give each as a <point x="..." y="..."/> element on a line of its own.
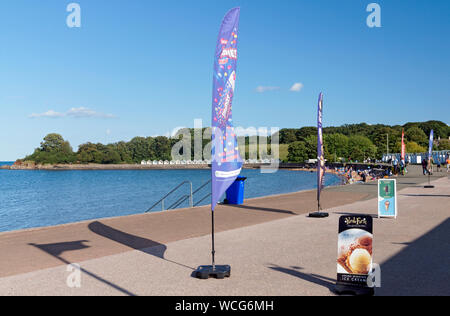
<point x="226" y="162"/>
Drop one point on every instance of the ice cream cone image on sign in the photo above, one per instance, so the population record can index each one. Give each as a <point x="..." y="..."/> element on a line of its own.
<point x="359" y="261"/>
<point x="387" y="198"/>
<point x="355" y="252"/>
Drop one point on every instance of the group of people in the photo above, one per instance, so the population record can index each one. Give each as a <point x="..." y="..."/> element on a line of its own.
<point x="399" y="167"/>
<point x="427" y="165"/>
<point x="360" y="175"/>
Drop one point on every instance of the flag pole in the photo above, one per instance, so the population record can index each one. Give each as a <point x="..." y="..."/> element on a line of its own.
<point x="213" y="251"/>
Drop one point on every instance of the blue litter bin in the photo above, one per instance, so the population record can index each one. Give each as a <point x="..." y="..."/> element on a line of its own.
<point x="235" y="193"/>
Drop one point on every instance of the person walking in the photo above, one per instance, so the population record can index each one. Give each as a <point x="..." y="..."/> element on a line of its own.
<point x="424" y="166"/>
<point x="395" y="164"/>
<point x="448" y="163"/>
<point x="430" y="165"/>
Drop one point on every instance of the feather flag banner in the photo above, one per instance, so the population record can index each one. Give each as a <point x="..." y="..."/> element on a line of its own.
<point x="430" y="144"/>
<point x="320" y="153"/>
<point x="226" y="160"/>
<point x="403" y="146"/>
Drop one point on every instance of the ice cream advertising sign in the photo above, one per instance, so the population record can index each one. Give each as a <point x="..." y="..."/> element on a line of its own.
<point x="387" y="198"/>
<point x="354" y="261"/>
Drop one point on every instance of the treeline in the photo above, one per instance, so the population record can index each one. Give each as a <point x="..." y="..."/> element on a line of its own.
<point x="358" y="142"/>
<point x="54" y="149"/>
<point x="350" y="142"/>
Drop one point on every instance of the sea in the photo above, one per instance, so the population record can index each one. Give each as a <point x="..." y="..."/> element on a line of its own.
<point x="34" y="198"/>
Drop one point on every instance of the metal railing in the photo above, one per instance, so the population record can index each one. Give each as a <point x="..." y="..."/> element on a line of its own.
<point x="178" y="201"/>
<point x="206" y="196"/>
<point x="183" y="198"/>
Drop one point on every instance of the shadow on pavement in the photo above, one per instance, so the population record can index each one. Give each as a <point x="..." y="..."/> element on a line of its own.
<point x="134" y="242"/>
<point x="313" y="278"/>
<point x="57" y="249"/>
<point x="421" y="268"/>
<point x="427" y="195"/>
<point x="356" y="213"/>
<point x="264" y="209"/>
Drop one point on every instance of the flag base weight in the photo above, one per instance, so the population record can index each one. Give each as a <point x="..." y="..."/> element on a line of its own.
<point x="342" y="289"/>
<point x="318" y="215"/>
<point x="219" y="272"/>
<point x="429" y="186"/>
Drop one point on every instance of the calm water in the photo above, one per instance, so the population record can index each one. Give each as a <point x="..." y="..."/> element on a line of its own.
<point x="43" y="198"/>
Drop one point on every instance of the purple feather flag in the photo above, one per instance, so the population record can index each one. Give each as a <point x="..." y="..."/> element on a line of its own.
<point x="430" y="145"/>
<point x="320" y="157"/>
<point x="226" y="160"/>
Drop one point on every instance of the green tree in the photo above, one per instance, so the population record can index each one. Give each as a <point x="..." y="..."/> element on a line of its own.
<point x="54" y="149"/>
<point x="336" y="146"/>
<point x="297" y="152"/>
<point x="311" y="147"/>
<point x="55" y="143"/>
<point x="440" y="129"/>
<point x="139" y="149"/>
<point x="162" y="147"/>
<point x="122" y="150"/>
<point x="305" y="132"/>
<point x="111" y="156"/>
<point x="287" y="135"/>
<point x="417" y="135"/>
<point x="89" y="153"/>
<point x="413" y="147"/>
<point x="380" y="137"/>
<point x="444" y="144"/>
<point x="360" y="148"/>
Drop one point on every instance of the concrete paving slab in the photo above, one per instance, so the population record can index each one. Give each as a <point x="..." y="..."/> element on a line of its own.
<point x="294" y="255"/>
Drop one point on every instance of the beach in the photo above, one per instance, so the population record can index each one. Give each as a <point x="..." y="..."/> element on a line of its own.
<point x="154" y="254"/>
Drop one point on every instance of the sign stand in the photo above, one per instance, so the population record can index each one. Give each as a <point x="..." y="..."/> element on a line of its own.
<point x="226" y="161"/>
<point x="429" y="186"/>
<point x="387" y="198"/>
<point x="341" y="289"/>
<point x="318" y="214"/>
<point x="354" y="262"/>
<point x="213" y="270"/>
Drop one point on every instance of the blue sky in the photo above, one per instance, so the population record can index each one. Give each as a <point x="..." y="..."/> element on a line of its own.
<point x="143" y="68"/>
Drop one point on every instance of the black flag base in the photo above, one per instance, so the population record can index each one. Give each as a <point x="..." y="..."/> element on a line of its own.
<point x="429" y="186"/>
<point x="318" y="214"/>
<point x="218" y="271"/>
<point x="342" y="289"/>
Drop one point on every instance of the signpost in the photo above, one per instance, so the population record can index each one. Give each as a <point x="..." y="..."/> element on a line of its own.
<point x="354" y="263"/>
<point x="387" y="198"/>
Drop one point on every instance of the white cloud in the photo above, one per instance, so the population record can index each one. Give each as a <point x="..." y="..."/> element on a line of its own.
<point x="80" y="112"/>
<point x="262" y="89"/>
<point x="296" y="87"/>
<point x="85" y="112"/>
<point x="51" y="114"/>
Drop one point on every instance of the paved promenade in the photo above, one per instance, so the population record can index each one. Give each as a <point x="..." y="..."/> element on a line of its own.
<point x="273" y="248"/>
